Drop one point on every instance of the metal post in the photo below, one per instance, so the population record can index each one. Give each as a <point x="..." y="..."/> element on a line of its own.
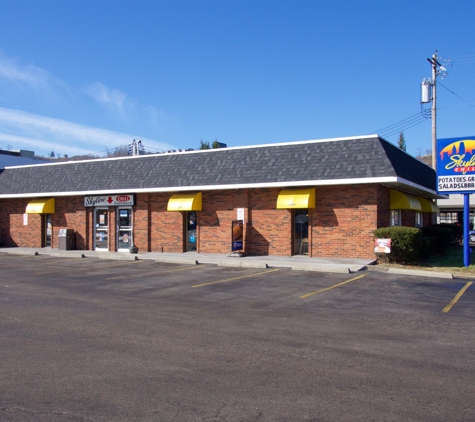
<point x="466" y="229"/>
<point x="434" y="113"/>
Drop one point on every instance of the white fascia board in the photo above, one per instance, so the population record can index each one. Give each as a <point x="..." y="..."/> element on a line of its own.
<point x="401" y="183"/>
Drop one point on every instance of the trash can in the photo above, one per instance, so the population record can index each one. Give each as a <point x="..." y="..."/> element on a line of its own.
<point x="66" y="240"/>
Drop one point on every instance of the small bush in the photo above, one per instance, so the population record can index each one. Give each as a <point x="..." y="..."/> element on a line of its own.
<point x="443" y="237"/>
<point x="428" y="247"/>
<point x="406" y="244"/>
<point x="457" y="230"/>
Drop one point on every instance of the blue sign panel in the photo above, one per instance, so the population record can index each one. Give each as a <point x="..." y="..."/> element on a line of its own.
<point x="456" y="165"/>
<point x="237" y="235"/>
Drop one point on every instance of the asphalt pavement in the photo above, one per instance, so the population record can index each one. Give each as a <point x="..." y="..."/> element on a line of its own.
<point x="296" y="262"/>
<point x="86" y="340"/>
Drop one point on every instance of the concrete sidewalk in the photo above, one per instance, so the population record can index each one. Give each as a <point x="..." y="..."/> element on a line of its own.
<point x="297" y="262"/>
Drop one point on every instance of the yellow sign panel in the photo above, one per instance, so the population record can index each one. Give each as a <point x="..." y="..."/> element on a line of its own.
<point x="404" y="201"/>
<point x="185" y="202"/>
<point x="296" y="198"/>
<point x="427" y="205"/>
<point x="40" y="206"/>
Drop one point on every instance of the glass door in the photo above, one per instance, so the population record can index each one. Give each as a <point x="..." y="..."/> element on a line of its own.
<point x="101" y="229"/>
<point x="190" y="235"/>
<point x="48" y="230"/>
<point x="124" y="229"/>
<point x="300" y="232"/>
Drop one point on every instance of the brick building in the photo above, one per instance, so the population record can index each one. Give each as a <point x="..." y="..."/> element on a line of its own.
<point x="319" y="198"/>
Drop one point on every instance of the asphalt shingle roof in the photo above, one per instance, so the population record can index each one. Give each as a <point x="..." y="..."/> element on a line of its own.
<point x="349" y="158"/>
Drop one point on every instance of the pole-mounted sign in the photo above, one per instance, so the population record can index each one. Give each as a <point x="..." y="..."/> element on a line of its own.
<point x="456" y="165"/>
<point x="456" y="174"/>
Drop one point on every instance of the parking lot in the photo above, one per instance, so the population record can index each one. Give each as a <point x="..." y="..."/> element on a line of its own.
<point x="107" y="340"/>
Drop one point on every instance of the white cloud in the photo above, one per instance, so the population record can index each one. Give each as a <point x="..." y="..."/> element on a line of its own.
<point x="29" y="86"/>
<point x="30" y="77"/>
<point x="112" y="99"/>
<point x="26" y="130"/>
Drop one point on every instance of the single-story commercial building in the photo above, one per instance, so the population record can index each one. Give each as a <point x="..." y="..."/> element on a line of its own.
<point x="321" y="198"/>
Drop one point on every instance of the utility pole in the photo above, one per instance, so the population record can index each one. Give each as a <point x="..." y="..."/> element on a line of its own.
<point x="434" y="64"/>
<point x="135" y="148"/>
<point x="429" y="93"/>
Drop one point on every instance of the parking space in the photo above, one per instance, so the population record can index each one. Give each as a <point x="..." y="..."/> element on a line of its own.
<point x="371" y="290"/>
<point x="95" y="339"/>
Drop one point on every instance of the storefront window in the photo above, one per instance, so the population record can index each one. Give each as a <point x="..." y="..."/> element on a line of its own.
<point x="301" y="232"/>
<point x="449" y="217"/>
<point x="419" y="220"/>
<point x="190" y="225"/>
<point x="48" y="219"/>
<point x="395" y="217"/>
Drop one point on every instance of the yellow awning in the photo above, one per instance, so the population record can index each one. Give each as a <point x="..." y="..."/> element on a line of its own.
<point x="40" y="206"/>
<point x="428" y="205"/>
<point x="185" y="202"/>
<point x="404" y="201"/>
<point x="296" y="198"/>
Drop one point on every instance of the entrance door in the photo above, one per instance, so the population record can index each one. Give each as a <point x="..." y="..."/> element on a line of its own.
<point x="190" y="235"/>
<point x="101" y="229"/>
<point x="300" y="234"/>
<point x="47" y="230"/>
<point x="124" y="229"/>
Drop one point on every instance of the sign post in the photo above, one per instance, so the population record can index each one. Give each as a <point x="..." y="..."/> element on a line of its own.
<point x="456" y="175"/>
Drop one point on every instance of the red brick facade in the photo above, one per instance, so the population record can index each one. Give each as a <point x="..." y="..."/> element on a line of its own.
<point x="340" y="226"/>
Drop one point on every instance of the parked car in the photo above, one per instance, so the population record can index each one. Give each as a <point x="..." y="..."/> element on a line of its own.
<point x="471" y="236"/>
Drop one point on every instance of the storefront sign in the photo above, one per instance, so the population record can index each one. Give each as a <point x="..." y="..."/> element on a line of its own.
<point x="456" y="165"/>
<point x="237" y="235"/>
<point x="108" y="200"/>
<point x="382" y="245"/>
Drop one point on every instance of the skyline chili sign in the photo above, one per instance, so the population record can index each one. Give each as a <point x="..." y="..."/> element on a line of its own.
<point x="456" y="165"/>
<point x="108" y="200"/>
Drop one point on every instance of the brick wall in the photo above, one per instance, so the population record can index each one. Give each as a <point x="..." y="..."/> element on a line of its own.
<point x="13" y="232"/>
<point x="70" y="213"/>
<point x="166" y="232"/>
<point x="341" y="225"/>
<point x="270" y="229"/>
<point x="344" y="220"/>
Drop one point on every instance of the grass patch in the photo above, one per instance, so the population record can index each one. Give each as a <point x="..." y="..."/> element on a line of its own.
<point x="451" y="262"/>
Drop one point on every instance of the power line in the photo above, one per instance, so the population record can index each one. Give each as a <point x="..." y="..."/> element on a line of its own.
<point x="404" y="124"/>
<point x="452" y="92"/>
<point x="464" y="59"/>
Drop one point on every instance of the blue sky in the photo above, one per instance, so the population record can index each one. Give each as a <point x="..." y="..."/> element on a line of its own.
<point x="80" y="77"/>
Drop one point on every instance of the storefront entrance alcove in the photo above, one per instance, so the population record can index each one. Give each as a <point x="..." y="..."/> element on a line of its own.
<point x="47" y="223"/>
<point x="190" y="227"/>
<point x="101" y="229"/>
<point x="124" y="229"/>
<point x="300" y="234"/>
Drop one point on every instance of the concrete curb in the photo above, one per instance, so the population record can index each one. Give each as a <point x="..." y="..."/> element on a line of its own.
<point x="322" y="266"/>
<point x="420" y="273"/>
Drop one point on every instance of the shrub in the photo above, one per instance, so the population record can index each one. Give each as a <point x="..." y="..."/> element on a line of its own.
<point x="443" y="237"/>
<point x="457" y="230"/>
<point x="407" y="244"/>
<point x="428" y="246"/>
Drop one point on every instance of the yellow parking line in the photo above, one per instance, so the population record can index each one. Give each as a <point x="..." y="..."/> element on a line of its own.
<point x="158" y="272"/>
<point x="331" y="287"/>
<point x="234" y="278"/>
<point x="457" y="297"/>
